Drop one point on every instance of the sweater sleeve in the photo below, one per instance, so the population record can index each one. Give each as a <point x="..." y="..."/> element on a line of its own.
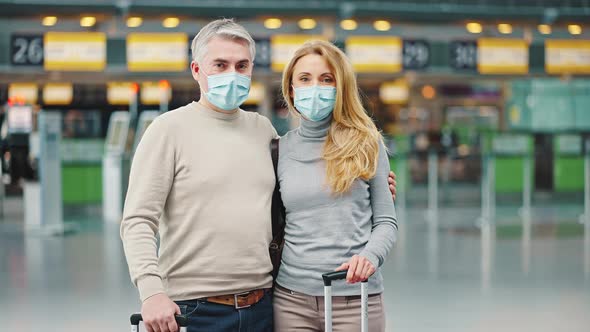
<point x="150" y="181"/>
<point x="384" y="228"/>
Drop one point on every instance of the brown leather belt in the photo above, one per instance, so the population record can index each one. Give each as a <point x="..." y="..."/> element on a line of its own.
<point x="239" y="301"/>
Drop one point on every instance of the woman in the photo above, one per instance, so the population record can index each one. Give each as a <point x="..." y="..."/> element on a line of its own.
<point x="333" y="173"/>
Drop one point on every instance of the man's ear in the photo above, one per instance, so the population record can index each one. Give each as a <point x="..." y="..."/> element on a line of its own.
<point x="195" y="70"/>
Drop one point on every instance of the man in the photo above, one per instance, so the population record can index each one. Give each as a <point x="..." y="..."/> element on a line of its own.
<point x="202" y="177"/>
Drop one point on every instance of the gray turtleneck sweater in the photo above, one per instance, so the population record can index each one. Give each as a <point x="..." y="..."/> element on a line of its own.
<point x="323" y="230"/>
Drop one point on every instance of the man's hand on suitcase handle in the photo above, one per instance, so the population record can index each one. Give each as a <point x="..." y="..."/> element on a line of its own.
<point x="181" y="320"/>
<point x="158" y="314"/>
<point x="359" y="269"/>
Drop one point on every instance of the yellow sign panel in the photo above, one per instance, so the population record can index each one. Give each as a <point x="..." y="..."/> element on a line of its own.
<point x="567" y="56"/>
<point x="397" y="92"/>
<point x="257" y="94"/>
<point x="121" y="93"/>
<point x="284" y="46"/>
<point x="157" y="52"/>
<point x="58" y="93"/>
<point x="381" y="54"/>
<point x="23" y="92"/>
<point x="75" y="51"/>
<point x="152" y="93"/>
<point x="502" y="56"/>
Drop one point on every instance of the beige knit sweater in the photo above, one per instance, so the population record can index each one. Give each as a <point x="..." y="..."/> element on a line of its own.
<point x="203" y="181"/>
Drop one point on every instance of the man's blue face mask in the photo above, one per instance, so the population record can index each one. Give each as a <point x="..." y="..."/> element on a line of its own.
<point x="228" y="90"/>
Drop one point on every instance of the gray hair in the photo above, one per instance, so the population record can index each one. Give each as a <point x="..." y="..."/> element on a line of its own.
<point x="225" y="28"/>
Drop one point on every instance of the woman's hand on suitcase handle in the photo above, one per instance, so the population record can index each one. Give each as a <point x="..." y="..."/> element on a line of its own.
<point x="158" y="314"/>
<point x="359" y="269"/>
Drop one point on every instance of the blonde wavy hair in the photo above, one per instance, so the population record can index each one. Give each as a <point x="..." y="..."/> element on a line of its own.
<point x="351" y="150"/>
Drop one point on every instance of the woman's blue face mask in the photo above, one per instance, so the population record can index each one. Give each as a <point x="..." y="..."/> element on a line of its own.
<point x="315" y="102"/>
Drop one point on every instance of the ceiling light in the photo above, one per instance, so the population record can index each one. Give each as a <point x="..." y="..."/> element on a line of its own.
<point x="134" y="21"/>
<point x="544" y="29"/>
<point x="307" y="23"/>
<point x="474" y="27"/>
<point x="87" y="21"/>
<point x="49" y="21"/>
<point x="505" y="28"/>
<point x="170" y="22"/>
<point x="574" y="29"/>
<point x="348" y="24"/>
<point x="382" y="25"/>
<point x="273" y="23"/>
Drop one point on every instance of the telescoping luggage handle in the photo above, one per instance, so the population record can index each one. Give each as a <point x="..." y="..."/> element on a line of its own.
<point x="341" y="275"/>
<point x="182" y="322"/>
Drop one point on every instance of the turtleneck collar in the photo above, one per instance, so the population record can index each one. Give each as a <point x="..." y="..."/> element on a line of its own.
<point x="311" y="129"/>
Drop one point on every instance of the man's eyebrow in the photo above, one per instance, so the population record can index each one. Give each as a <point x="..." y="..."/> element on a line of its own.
<point x="226" y="61"/>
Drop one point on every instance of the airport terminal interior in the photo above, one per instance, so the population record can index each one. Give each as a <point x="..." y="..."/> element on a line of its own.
<point x="484" y="106"/>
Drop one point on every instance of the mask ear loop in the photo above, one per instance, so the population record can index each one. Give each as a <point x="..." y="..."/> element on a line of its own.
<point x="207" y="75"/>
<point x="201" y="70"/>
<point x="293" y="96"/>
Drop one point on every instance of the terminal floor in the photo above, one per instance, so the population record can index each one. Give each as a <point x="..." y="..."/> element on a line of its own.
<point x="443" y="275"/>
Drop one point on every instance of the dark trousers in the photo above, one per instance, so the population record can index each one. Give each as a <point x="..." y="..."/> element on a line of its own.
<point x="212" y="317"/>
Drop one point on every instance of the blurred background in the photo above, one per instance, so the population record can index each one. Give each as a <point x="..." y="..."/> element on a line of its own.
<point x="485" y="107"/>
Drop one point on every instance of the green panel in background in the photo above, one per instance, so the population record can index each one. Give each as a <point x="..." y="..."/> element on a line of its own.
<point x="399" y="165"/>
<point x="82" y="183"/>
<point x="399" y="148"/>
<point x="393" y="164"/>
<point x="568" y="170"/>
<point x="510" y="150"/>
<point x="509" y="174"/>
<point x="568" y="174"/>
<point x="464" y="134"/>
<point x="82" y="170"/>
<point x="399" y="145"/>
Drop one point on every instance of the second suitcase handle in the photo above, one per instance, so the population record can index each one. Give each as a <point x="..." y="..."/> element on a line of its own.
<point x="341" y="275"/>
<point x="182" y="322"/>
<point x="332" y="276"/>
